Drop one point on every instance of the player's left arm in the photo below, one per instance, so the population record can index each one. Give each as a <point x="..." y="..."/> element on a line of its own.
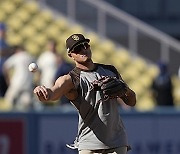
<point x="129" y="96"/>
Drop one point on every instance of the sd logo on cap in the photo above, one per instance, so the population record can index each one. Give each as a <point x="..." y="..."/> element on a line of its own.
<point x="74" y="40"/>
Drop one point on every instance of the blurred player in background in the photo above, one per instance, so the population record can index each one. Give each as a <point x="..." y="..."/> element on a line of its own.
<point x="3" y="84"/>
<point x="100" y="127"/>
<point x="162" y="86"/>
<point x="4" y="47"/>
<point x="4" y="54"/>
<point x="20" y="80"/>
<point x="47" y="63"/>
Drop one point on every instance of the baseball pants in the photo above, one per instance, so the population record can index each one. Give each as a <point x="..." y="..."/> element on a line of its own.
<point x="120" y="150"/>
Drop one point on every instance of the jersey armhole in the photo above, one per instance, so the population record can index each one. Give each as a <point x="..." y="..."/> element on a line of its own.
<point x="75" y="77"/>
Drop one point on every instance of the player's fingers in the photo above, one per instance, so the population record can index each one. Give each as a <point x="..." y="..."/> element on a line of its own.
<point x="44" y="91"/>
<point x="44" y="88"/>
<point x="41" y="91"/>
<point x="37" y="89"/>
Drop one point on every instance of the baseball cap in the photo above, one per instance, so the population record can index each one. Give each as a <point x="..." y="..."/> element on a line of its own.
<point x="74" y="40"/>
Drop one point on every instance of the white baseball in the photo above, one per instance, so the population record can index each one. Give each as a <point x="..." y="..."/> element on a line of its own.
<point x="33" y="67"/>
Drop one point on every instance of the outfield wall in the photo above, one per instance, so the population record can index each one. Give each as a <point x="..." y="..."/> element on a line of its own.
<point x="48" y="132"/>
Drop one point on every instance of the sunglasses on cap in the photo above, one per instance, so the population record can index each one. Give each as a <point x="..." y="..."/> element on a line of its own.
<point x="79" y="47"/>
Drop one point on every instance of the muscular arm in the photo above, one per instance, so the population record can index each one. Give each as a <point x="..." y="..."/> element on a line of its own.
<point x="61" y="87"/>
<point x="129" y="97"/>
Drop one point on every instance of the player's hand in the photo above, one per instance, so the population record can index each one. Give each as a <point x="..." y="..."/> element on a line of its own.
<point x="42" y="93"/>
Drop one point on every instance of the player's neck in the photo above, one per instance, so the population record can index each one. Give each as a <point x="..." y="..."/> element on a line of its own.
<point x="86" y="66"/>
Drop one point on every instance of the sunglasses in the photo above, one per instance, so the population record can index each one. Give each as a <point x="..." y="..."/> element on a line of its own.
<point x="79" y="47"/>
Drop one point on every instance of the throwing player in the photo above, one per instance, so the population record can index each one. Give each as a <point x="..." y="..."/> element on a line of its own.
<point x="100" y="128"/>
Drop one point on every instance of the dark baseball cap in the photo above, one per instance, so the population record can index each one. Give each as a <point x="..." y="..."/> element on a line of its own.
<point x="74" y="40"/>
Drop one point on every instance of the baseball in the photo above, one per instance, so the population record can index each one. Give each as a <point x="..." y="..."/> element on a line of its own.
<point x="33" y="67"/>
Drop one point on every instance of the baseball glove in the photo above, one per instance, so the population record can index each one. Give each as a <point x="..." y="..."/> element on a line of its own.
<point x="111" y="87"/>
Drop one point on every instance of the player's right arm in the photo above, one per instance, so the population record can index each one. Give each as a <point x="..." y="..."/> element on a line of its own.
<point x="62" y="86"/>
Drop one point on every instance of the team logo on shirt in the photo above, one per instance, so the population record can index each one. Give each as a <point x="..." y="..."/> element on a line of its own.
<point x="75" y="37"/>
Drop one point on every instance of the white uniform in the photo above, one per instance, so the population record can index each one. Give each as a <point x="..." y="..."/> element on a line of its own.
<point x="21" y="81"/>
<point x="47" y="64"/>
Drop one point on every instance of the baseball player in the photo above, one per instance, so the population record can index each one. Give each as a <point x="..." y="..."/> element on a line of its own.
<point x="93" y="89"/>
